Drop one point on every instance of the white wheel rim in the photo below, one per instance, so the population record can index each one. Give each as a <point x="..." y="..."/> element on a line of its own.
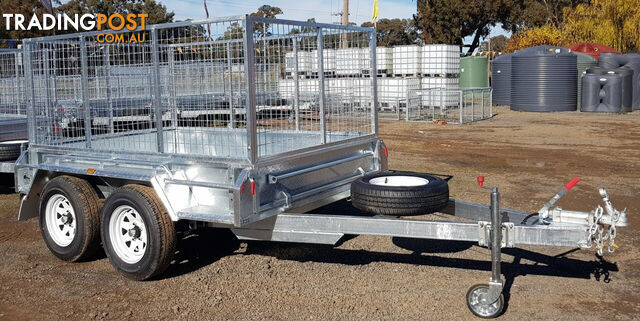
<point x="399" y="181"/>
<point x="480" y="307"/>
<point x="128" y="234"/>
<point x="60" y="220"/>
<point x="11" y="142"/>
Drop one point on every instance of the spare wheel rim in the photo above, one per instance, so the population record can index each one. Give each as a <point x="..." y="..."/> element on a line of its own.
<point x="399" y="181"/>
<point x="128" y="234"/>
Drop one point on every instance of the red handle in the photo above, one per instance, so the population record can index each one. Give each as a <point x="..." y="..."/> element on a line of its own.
<point x="480" y="180"/>
<point x="572" y="183"/>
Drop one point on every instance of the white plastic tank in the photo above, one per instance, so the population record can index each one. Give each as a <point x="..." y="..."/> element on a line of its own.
<point x="394" y="91"/>
<point x="349" y="61"/>
<point x="305" y="62"/>
<point x="329" y="57"/>
<point x="286" y="88"/>
<point x="448" y="96"/>
<point x="406" y="60"/>
<point x="440" y="60"/>
<point x="384" y="60"/>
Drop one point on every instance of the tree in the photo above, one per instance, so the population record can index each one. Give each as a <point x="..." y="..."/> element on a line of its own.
<point x="527" y="14"/>
<point x="545" y="35"/>
<point x="265" y="11"/>
<point x="157" y="12"/>
<point x="449" y="21"/>
<point x="395" y="32"/>
<point x="614" y="23"/>
<point x="498" y="43"/>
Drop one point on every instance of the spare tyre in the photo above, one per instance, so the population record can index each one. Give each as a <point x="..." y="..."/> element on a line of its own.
<point x="10" y="150"/>
<point x="399" y="193"/>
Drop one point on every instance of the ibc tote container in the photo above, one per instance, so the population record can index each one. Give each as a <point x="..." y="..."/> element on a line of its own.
<point x="395" y="90"/>
<point x="349" y="61"/>
<point x="329" y="57"/>
<point x="384" y="60"/>
<point x="406" y="60"/>
<point x="286" y="88"/>
<point x="448" y="98"/>
<point x="440" y="60"/>
<point x="305" y="61"/>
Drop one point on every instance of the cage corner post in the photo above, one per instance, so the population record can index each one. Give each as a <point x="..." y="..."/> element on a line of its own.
<point x="374" y="82"/>
<point x="86" y="104"/>
<point x="249" y="69"/>
<point x="157" y="98"/>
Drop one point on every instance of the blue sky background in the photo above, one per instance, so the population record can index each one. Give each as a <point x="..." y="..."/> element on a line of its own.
<point x="360" y="10"/>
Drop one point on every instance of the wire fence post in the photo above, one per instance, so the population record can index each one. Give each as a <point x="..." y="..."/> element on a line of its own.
<point x="374" y="82"/>
<point x="296" y="84"/>
<point x="157" y="95"/>
<point x="86" y="104"/>
<point x="249" y="67"/>
<point x="473" y="104"/>
<point x="232" y="112"/>
<point x="172" y="88"/>
<point x="323" y="125"/>
<point x="107" y="74"/>
<point x="461" y="105"/>
<point x="29" y="94"/>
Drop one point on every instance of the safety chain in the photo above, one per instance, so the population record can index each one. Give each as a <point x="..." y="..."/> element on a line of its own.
<point x="596" y="232"/>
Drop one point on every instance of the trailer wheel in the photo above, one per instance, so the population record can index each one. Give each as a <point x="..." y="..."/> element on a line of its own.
<point x="137" y="233"/>
<point x="400" y="193"/>
<point x="10" y="150"/>
<point x="69" y="218"/>
<point x="482" y="309"/>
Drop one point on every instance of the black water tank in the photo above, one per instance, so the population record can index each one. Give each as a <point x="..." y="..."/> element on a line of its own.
<point x="501" y="80"/>
<point x="631" y="61"/>
<point x="627" y="83"/>
<point x="601" y="93"/>
<point x="544" y="79"/>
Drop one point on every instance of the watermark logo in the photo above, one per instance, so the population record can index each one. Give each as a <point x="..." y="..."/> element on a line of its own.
<point x="86" y="22"/>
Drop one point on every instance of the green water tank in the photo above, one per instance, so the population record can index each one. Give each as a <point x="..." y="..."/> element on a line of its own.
<point x="474" y="72"/>
<point x="584" y="62"/>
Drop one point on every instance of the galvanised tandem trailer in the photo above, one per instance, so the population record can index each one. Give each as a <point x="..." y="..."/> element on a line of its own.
<point x="133" y="186"/>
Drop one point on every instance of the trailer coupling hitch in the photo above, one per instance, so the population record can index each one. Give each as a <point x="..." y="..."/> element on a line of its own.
<point x="601" y="223"/>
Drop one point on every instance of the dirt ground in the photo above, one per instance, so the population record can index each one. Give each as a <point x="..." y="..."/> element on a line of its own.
<point x="528" y="155"/>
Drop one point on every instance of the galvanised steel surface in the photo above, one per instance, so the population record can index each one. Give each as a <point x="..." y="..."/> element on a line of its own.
<point x="196" y="109"/>
<point x="13" y="108"/>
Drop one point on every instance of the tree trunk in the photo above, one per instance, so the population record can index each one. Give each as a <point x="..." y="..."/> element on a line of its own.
<point x="476" y="41"/>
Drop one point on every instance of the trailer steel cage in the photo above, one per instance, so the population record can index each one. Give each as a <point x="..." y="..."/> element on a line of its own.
<point x="194" y="109"/>
<point x="13" y="107"/>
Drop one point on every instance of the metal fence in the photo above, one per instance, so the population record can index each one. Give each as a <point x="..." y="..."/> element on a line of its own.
<point x="212" y="88"/>
<point x="12" y="99"/>
<point x="454" y="106"/>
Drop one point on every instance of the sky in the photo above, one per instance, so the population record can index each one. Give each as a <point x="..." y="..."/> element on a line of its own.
<point x="322" y="11"/>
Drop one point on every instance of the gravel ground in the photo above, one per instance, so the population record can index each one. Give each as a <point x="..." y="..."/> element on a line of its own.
<point x="529" y="156"/>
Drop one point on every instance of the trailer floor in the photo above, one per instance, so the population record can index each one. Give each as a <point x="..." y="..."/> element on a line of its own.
<point x="528" y="155"/>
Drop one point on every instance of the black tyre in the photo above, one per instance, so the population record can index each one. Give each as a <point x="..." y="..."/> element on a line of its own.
<point x="399" y="193"/>
<point x="69" y="218"/>
<point x="10" y="150"/>
<point x="483" y="309"/>
<point x="137" y="232"/>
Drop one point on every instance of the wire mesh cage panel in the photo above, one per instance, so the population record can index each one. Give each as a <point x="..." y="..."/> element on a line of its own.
<point x="12" y="99"/>
<point x="436" y="104"/>
<point x="300" y="113"/>
<point x="221" y="87"/>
